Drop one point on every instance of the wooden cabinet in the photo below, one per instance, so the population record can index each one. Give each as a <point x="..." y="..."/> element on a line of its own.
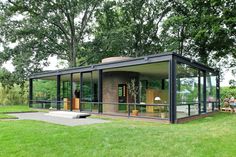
<point x="75" y="104"/>
<point x="66" y="104"/>
<point x="150" y="98"/>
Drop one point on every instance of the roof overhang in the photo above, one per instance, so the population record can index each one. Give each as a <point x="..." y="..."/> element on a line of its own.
<point x="130" y="62"/>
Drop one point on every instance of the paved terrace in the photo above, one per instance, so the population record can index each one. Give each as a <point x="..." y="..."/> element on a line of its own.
<point x="40" y="116"/>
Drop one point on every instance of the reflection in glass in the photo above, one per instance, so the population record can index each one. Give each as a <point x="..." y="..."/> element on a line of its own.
<point x="187" y="90"/>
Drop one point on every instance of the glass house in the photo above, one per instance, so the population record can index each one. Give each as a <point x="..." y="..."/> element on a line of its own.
<point x="166" y="87"/>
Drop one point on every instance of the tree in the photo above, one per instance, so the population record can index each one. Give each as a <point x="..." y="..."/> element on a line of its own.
<point x="232" y="83"/>
<point x="129" y="28"/>
<point x="204" y="30"/>
<point x="40" y="29"/>
<point x="6" y="78"/>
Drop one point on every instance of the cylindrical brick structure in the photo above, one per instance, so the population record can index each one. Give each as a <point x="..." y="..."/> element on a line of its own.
<point x="111" y="80"/>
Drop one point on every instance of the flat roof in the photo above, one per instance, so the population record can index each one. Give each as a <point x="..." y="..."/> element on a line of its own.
<point x="124" y="63"/>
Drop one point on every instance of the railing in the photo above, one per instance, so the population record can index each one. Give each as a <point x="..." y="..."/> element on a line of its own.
<point x="46" y="104"/>
<point x="127" y="109"/>
<point x="161" y="111"/>
<point x="193" y="108"/>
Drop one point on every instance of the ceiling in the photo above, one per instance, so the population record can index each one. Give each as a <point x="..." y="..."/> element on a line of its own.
<point x="146" y="71"/>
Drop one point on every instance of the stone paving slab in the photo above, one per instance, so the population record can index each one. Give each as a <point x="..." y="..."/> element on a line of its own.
<point x="40" y="116"/>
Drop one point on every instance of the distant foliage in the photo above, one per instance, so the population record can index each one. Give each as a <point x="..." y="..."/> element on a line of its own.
<point x="44" y="90"/>
<point x="227" y="92"/>
<point x="14" y="95"/>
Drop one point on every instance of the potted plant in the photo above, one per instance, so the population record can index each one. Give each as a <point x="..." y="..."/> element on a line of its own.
<point x="133" y="90"/>
<point x="163" y="112"/>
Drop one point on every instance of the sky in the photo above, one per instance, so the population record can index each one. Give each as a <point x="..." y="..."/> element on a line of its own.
<point x="54" y="66"/>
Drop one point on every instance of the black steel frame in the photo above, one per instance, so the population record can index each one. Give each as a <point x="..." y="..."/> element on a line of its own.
<point x="58" y="92"/>
<point x="172" y="58"/>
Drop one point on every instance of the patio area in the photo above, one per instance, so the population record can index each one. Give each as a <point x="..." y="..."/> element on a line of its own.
<point x="41" y="116"/>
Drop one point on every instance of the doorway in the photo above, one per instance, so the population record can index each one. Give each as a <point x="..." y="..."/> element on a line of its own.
<point x="122" y="97"/>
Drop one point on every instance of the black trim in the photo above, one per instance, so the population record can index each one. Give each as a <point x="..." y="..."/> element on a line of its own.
<point x="30" y="92"/>
<point x="71" y="91"/>
<point x="81" y="91"/>
<point x="172" y="89"/>
<point x="58" y="92"/>
<point x="204" y="91"/>
<point x="193" y="63"/>
<point x="100" y="94"/>
<point x="135" y="61"/>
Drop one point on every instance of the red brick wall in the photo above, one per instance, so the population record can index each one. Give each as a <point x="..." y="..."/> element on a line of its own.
<point x="110" y="88"/>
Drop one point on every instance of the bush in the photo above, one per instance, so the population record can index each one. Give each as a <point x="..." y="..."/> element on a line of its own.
<point x="13" y="96"/>
<point x="227" y="92"/>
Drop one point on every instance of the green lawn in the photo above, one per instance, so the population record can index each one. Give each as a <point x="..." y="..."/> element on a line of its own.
<point x="211" y="136"/>
<point x="4" y="116"/>
<point x="13" y="108"/>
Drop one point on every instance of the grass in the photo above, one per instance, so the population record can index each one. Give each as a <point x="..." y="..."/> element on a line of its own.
<point x="5" y="116"/>
<point x="211" y="136"/>
<point x="13" y="108"/>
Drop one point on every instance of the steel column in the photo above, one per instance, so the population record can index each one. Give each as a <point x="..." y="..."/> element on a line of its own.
<point x="30" y="92"/>
<point x="71" y="91"/>
<point x="204" y="91"/>
<point x="172" y="90"/>
<point x="100" y="78"/>
<point x="58" y="92"/>
<point x="81" y="91"/>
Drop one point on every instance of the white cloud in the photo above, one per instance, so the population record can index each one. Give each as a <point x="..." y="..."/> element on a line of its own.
<point x="55" y="64"/>
<point x="227" y="75"/>
<point x="8" y="65"/>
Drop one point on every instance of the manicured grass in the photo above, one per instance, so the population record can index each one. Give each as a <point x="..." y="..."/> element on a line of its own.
<point x="15" y="108"/>
<point x="5" y="116"/>
<point x="211" y="136"/>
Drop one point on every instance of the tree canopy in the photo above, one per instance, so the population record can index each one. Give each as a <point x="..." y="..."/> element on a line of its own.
<point x="85" y="31"/>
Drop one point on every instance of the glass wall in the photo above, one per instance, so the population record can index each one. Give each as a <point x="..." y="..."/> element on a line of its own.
<point x="66" y="92"/>
<point x="89" y="99"/>
<point x="45" y="93"/>
<point x="187" y="90"/>
<point x="202" y="106"/>
<point x="141" y="90"/>
<point x="70" y="92"/>
<point x="211" y="103"/>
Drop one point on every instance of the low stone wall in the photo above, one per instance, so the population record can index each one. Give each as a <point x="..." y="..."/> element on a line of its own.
<point x="187" y="119"/>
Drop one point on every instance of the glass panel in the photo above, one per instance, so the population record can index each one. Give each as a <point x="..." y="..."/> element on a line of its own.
<point x="66" y="92"/>
<point x="187" y="90"/>
<point x="211" y="92"/>
<point x="45" y="93"/>
<point x="202" y="109"/>
<point x="89" y="99"/>
<point x="141" y="88"/>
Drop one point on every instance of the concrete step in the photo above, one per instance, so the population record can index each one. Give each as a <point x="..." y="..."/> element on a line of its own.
<point x="67" y="114"/>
